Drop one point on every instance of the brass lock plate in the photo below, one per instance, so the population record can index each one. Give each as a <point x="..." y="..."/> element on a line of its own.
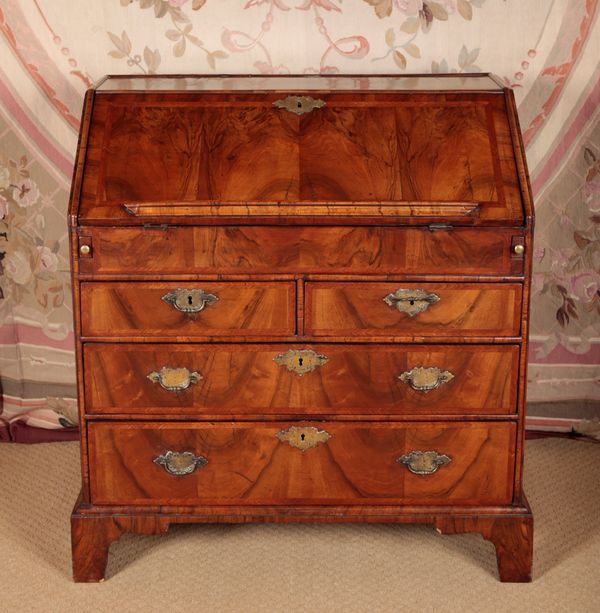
<point x="300" y="361"/>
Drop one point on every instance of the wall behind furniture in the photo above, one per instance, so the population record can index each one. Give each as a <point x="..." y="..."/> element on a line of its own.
<point x="52" y="50"/>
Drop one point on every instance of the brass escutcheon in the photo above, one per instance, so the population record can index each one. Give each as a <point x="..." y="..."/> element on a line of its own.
<point x="411" y="301"/>
<point x="300" y="361"/>
<point x="425" y="379"/>
<point x="174" y="379"/>
<point x="189" y="300"/>
<point x="423" y="462"/>
<point x="299" y="104"/>
<point x="303" y="437"/>
<point x="180" y="463"/>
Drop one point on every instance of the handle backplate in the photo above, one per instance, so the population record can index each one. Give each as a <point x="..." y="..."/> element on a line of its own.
<point x="180" y="463"/>
<point x="174" y="379"/>
<point x="424" y="379"/>
<point x="189" y="300"/>
<point x="423" y="462"/>
<point x="411" y="301"/>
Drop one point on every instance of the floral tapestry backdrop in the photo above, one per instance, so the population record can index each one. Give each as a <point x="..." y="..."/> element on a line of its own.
<point x="52" y="50"/>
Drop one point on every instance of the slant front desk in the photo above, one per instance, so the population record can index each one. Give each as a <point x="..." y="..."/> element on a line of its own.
<point x="301" y="299"/>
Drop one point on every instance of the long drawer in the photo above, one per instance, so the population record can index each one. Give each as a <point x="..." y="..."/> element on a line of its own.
<point x="412" y="309"/>
<point x="260" y="380"/>
<point x="192" y="310"/>
<point x="288" y="249"/>
<point x="302" y="463"/>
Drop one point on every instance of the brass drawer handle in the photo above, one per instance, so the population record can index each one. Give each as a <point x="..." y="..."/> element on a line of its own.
<point x="299" y="104"/>
<point x="303" y="437"/>
<point x="189" y="300"/>
<point x="423" y="462"/>
<point x="174" y="379"/>
<point x="300" y="361"/>
<point x="425" y="379"/>
<point x="180" y="463"/>
<point x="411" y="301"/>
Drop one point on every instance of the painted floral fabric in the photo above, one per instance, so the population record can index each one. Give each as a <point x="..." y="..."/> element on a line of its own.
<point x="52" y="50"/>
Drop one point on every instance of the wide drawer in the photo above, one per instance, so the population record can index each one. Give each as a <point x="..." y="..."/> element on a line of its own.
<point x="280" y="463"/>
<point x="191" y="310"/>
<point x="289" y="249"/>
<point x="271" y="380"/>
<point x="411" y="309"/>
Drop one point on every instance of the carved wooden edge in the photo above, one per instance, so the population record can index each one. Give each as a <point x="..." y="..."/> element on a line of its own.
<point x="296" y="75"/>
<point x="92" y="536"/>
<point x="511" y="535"/>
<point x="76" y="183"/>
<point x="510" y="529"/>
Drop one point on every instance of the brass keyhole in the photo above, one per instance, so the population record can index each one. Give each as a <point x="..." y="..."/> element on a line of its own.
<point x="299" y="105"/>
<point x="189" y="300"/>
<point x="411" y="302"/>
<point x="302" y="436"/>
<point x="300" y="360"/>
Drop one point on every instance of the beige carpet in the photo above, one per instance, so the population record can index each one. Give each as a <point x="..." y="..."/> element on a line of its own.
<point x="312" y="568"/>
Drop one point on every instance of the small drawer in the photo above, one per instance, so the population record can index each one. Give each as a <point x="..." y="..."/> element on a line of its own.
<point x="188" y="309"/>
<point x="269" y="381"/>
<point x="301" y="463"/>
<point x="413" y="309"/>
<point x="300" y="249"/>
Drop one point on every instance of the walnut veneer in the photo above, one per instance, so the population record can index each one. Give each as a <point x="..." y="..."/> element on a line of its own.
<point x="301" y="299"/>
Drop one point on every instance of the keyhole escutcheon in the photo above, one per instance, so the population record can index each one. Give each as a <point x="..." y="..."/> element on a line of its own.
<point x="302" y="436"/>
<point x="300" y="361"/>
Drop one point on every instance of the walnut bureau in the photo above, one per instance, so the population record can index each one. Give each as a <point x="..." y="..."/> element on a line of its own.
<point x="301" y="299"/>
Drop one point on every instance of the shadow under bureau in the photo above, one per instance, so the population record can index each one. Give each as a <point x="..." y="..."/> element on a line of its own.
<point x="301" y="299"/>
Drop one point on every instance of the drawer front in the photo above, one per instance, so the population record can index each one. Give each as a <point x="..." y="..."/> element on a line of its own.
<point x="411" y="309"/>
<point x="268" y="249"/>
<point x="188" y="309"/>
<point x="281" y="463"/>
<point x="271" y="380"/>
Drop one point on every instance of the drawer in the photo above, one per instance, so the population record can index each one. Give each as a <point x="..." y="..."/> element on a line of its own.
<point x="188" y="309"/>
<point x="302" y="249"/>
<point x="271" y="380"/>
<point x="281" y="463"/>
<point x="411" y="309"/>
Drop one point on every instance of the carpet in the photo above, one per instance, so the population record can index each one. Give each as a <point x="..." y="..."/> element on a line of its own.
<point x="299" y="567"/>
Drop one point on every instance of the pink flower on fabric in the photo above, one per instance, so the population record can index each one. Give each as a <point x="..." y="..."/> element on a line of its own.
<point x="47" y="262"/>
<point x="409" y="7"/>
<point x="538" y="254"/>
<point x="585" y="286"/>
<point x="591" y="195"/>
<point x="18" y="267"/>
<point x="538" y="281"/>
<point x="559" y="260"/>
<point x="26" y="193"/>
<point x="302" y="5"/>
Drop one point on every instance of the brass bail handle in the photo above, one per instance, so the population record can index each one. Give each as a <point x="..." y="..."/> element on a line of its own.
<point x="425" y="379"/>
<point x="180" y="463"/>
<point x="174" y="379"/>
<point x="423" y="462"/>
